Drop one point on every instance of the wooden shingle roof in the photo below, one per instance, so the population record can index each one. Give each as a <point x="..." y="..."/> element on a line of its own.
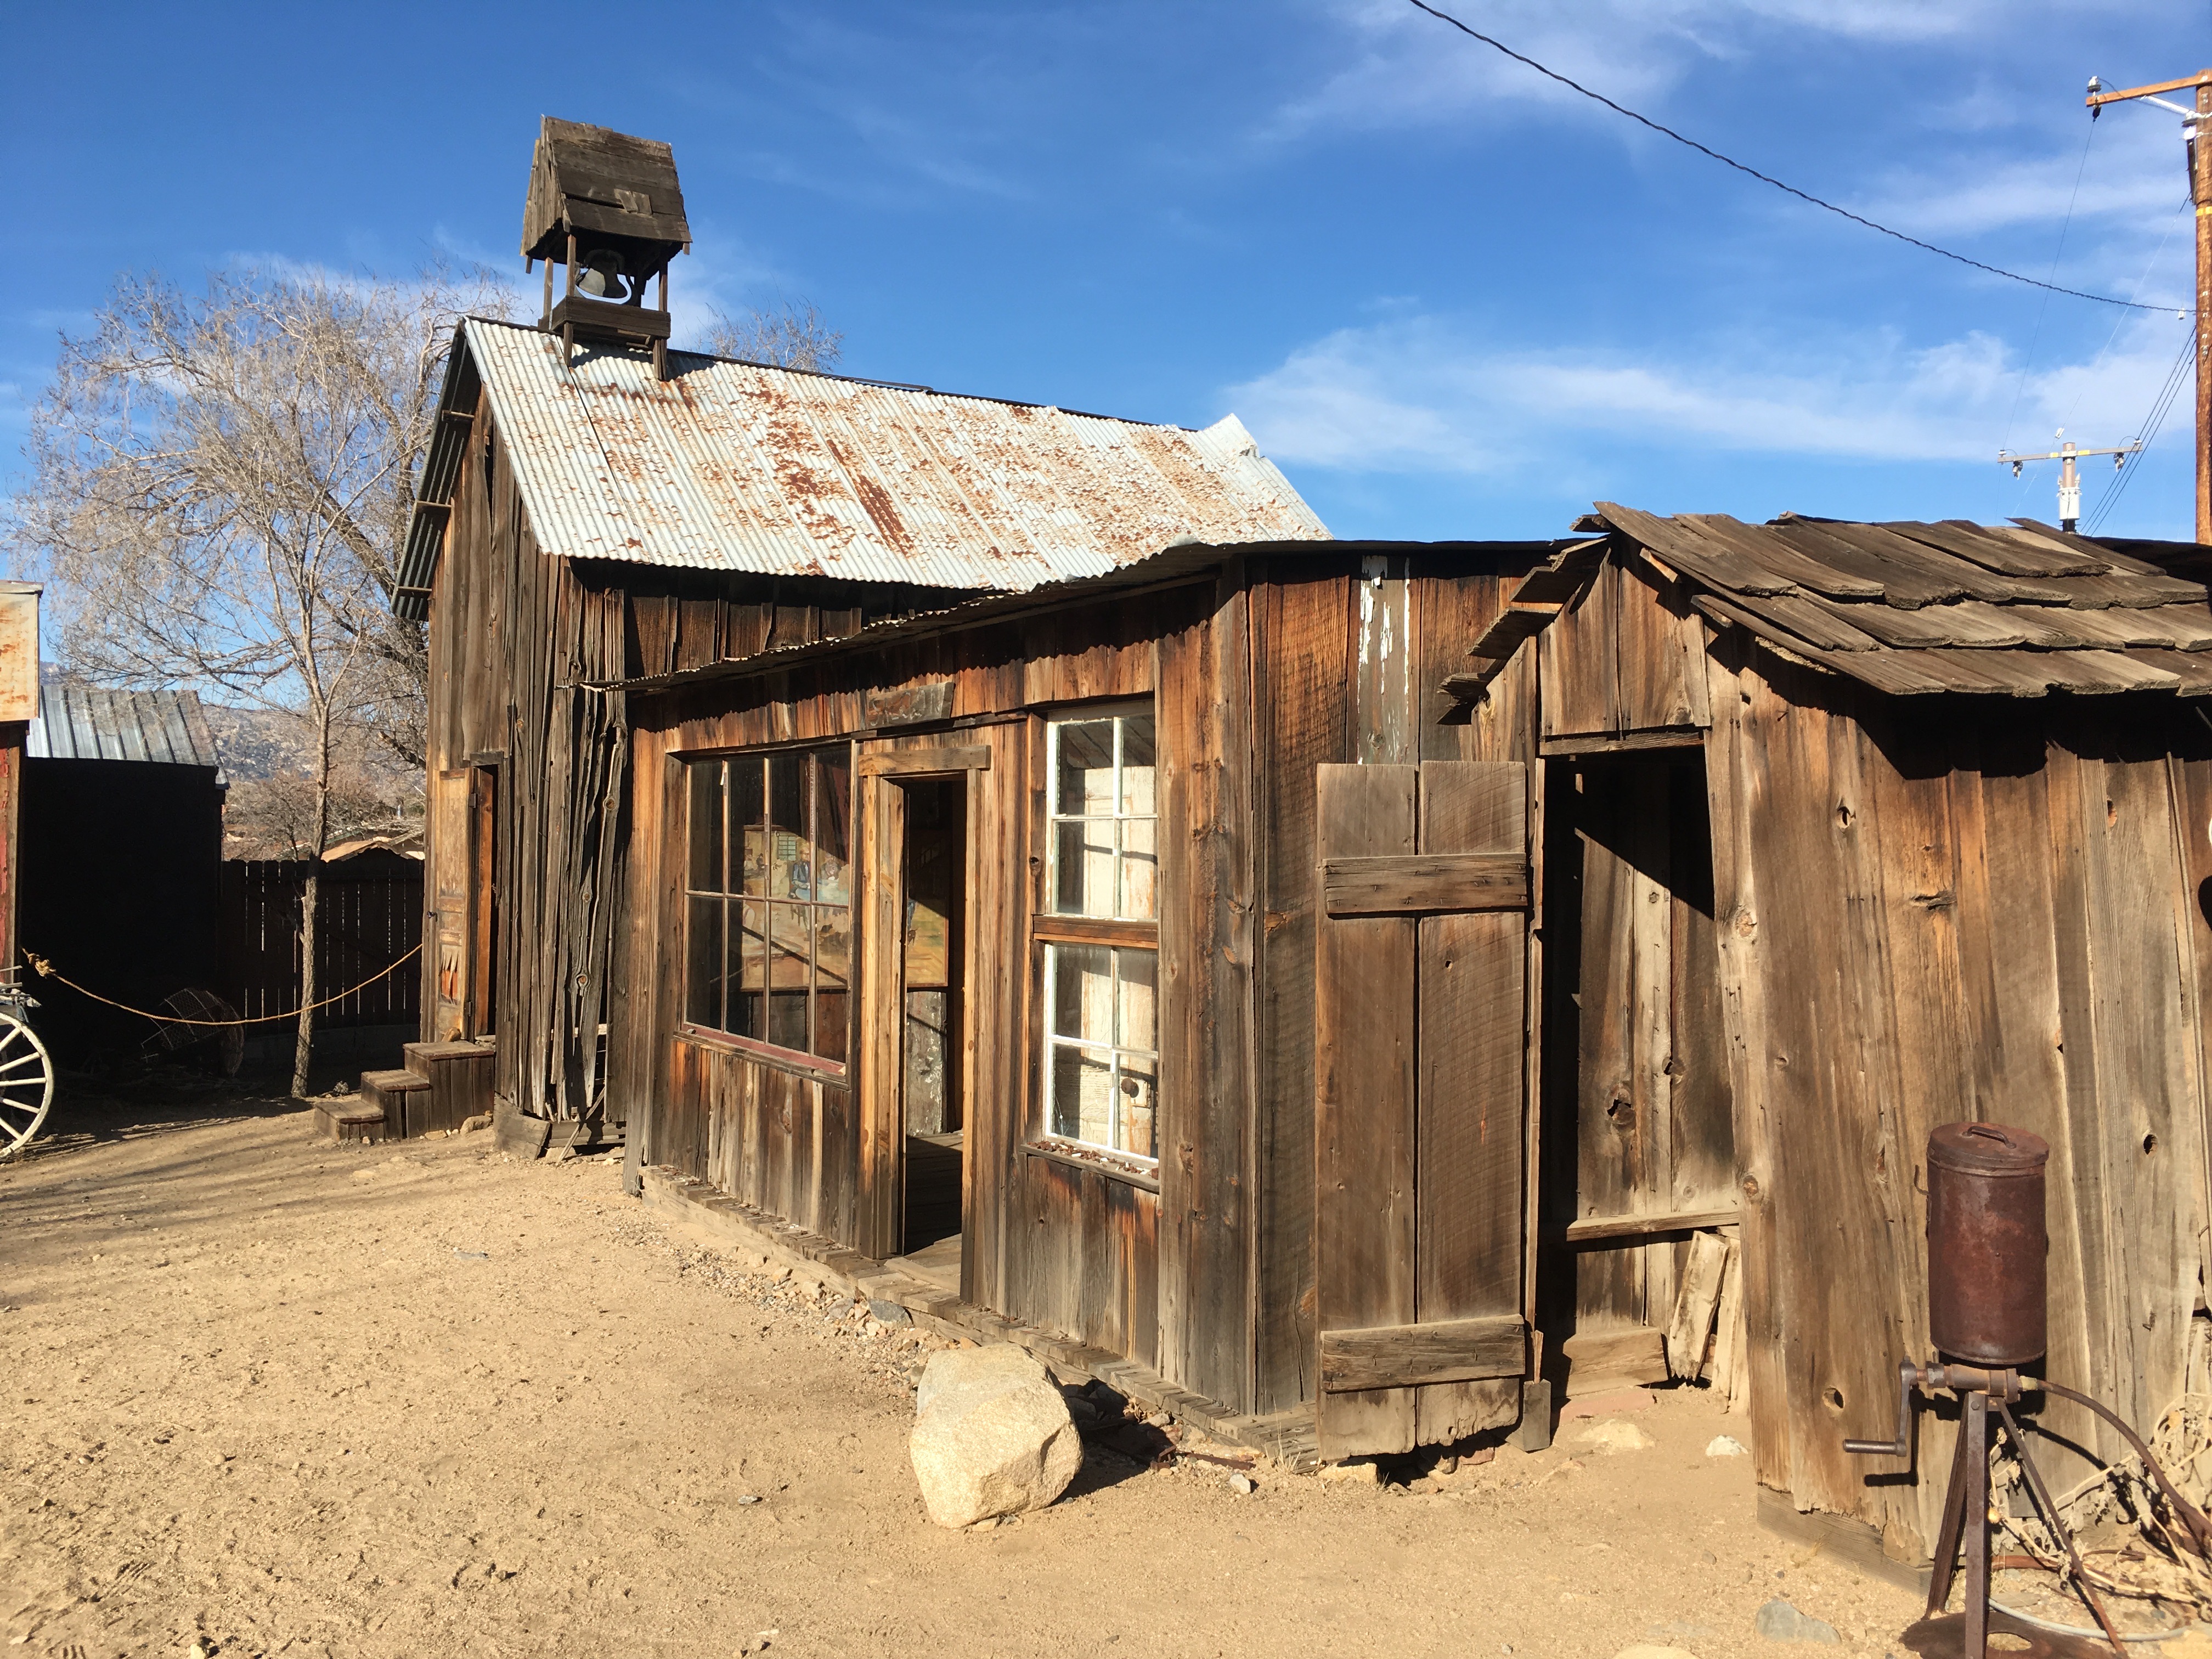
<point x="2019" y="610"/>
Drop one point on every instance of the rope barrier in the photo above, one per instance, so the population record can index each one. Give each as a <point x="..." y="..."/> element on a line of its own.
<point x="46" y="970"/>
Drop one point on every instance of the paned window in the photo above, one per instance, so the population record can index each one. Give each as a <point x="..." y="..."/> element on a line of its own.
<point x="1100" y="973"/>
<point x="769" y="904"/>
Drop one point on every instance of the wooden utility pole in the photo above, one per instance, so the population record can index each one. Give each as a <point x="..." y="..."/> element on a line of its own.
<point x="2200" y="194"/>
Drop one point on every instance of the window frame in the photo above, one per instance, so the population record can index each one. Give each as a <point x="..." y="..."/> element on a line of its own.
<point x="1049" y="928"/>
<point x="795" y="1059"/>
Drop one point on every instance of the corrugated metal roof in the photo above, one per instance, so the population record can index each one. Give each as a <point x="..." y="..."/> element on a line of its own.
<point x="732" y="466"/>
<point x="86" y="723"/>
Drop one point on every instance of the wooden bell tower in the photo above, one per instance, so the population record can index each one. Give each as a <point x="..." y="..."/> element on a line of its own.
<point x="605" y="207"/>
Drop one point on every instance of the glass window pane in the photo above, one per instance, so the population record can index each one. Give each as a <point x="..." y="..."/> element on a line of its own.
<point x="1136" y="1017"/>
<point x="1082" y="991"/>
<point x="702" y="967"/>
<point x="1136" y="765"/>
<point x="786" y="827"/>
<point x="1082" y="867"/>
<point x="749" y="954"/>
<point x="787" y="975"/>
<point x="1082" y="1091"/>
<point x="748" y="809"/>
<point x="706" y="874"/>
<point x="1140" y="1090"/>
<point x="1141" y="869"/>
<point x="833" y="828"/>
<point x="832" y="953"/>
<point x="1084" y="779"/>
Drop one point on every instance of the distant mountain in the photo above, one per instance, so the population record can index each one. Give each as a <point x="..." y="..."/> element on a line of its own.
<point x="258" y="743"/>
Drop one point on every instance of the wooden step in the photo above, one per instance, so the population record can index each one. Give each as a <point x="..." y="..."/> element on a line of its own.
<point x="360" y="1119"/>
<point x="390" y="1092"/>
<point x="460" y="1079"/>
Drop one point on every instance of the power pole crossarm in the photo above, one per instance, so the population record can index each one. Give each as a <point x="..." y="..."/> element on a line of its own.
<point x="2070" y="478"/>
<point x="2200" y="192"/>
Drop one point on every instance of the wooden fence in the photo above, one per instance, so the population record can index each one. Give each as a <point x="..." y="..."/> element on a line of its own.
<point x="370" y="914"/>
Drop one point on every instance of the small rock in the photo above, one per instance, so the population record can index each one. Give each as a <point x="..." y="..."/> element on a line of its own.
<point x="749" y="1497"/>
<point x="1365" y="1472"/>
<point x="470" y="1125"/>
<point x="1614" y="1435"/>
<point x="1242" y="1485"/>
<point x="992" y="1436"/>
<point x="201" y="1649"/>
<point x="1725" y="1446"/>
<point x="1778" y="1621"/>
<point x="889" y="1313"/>
<point x="1708" y="1558"/>
<point x="364" y="1175"/>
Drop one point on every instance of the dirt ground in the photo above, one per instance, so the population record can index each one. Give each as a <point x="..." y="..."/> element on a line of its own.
<point x="279" y="1397"/>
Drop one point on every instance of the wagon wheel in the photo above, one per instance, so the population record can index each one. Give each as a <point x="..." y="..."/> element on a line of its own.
<point x="27" y="1083"/>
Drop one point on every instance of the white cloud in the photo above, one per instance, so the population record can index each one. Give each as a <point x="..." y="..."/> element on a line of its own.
<point x="1426" y="395"/>
<point x="1405" y="66"/>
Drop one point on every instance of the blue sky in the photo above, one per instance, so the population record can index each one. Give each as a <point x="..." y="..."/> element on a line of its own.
<point x="1450" y="299"/>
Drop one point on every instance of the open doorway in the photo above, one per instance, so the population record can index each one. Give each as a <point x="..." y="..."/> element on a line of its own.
<point x="931" y="1086"/>
<point x="1638" y="1137"/>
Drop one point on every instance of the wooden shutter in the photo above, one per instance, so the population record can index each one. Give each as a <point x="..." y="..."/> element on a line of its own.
<point x="1419" y="1100"/>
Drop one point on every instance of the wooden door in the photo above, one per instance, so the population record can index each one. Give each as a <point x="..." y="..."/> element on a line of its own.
<point x="462" y="924"/>
<point x="1420" y="1102"/>
<point x="450" y="794"/>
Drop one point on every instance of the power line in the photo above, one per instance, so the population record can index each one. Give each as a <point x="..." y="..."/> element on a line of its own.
<point x="2153" y="422"/>
<point x="1789" y="190"/>
<point x="2042" y="306"/>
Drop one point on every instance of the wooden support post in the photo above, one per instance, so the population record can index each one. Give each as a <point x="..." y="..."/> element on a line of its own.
<point x="568" y="330"/>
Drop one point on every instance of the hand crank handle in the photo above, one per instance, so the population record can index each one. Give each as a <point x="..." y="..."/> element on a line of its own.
<point x="1908" y="1374"/>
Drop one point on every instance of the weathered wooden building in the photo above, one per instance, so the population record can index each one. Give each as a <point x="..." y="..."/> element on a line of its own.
<point x="121" y="828"/>
<point x="1852" y="830"/>
<point x="1337" y="984"/>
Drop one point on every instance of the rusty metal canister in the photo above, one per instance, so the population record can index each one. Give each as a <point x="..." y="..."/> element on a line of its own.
<point x="1987" y="1275"/>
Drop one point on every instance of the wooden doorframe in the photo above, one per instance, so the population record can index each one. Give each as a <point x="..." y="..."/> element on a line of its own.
<point x="880" y="1220"/>
<point x="482" y="919"/>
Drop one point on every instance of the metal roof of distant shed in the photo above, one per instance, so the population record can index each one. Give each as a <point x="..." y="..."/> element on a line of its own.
<point x="733" y="466"/>
<point x="85" y="722"/>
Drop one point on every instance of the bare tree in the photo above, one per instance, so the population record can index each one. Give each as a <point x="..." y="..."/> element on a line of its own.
<point x="792" y="336"/>
<point x="220" y="486"/>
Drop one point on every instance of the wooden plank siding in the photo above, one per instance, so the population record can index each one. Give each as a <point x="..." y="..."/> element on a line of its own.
<point x="1981" y="917"/>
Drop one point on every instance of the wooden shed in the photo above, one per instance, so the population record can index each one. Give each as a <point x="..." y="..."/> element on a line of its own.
<point x="1339" y="989"/>
<point x="1852" y="830"/>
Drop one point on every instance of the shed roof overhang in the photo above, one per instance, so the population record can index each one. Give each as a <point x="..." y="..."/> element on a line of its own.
<point x="2019" y="610"/>
<point x="1178" y="564"/>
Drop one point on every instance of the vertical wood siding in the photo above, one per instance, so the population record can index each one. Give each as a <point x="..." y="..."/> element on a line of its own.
<point x="1927" y="914"/>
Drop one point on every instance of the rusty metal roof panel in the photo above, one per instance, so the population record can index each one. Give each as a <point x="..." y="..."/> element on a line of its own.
<point x="86" y="722"/>
<point x="733" y="466"/>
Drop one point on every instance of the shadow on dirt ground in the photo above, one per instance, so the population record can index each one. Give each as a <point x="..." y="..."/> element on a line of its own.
<point x="125" y="1098"/>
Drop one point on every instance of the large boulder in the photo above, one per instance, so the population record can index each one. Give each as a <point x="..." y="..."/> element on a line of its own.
<point x="992" y="1436"/>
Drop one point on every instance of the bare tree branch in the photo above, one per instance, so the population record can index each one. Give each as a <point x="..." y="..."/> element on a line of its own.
<point x="792" y="336"/>
<point x="220" y="488"/>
